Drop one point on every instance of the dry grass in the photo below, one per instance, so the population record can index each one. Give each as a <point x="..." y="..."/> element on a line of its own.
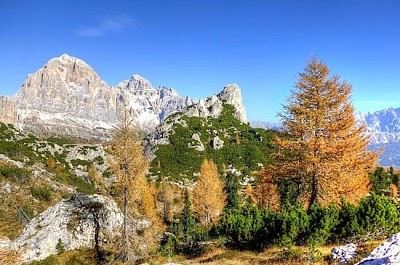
<point x="272" y="255"/>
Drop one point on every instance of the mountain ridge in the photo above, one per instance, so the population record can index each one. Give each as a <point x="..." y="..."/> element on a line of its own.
<point x="67" y="97"/>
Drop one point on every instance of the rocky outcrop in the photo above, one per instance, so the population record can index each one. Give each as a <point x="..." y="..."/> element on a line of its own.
<point x="7" y="109"/>
<point x="196" y="143"/>
<point x="233" y="95"/>
<point x="213" y="106"/>
<point x="76" y="222"/>
<point x="385" y="254"/>
<point x="67" y="97"/>
<point x="344" y="254"/>
<point x="209" y="107"/>
<point x="217" y="143"/>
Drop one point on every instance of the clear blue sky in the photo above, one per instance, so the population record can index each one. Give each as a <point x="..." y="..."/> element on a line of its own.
<point x="198" y="46"/>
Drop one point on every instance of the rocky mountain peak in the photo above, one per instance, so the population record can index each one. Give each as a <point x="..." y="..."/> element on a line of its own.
<point x="232" y="94"/>
<point x="67" y="97"/>
<point x="137" y="84"/>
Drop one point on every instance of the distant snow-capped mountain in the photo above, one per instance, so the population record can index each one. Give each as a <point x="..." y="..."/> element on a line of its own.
<point x="266" y="125"/>
<point x="383" y="126"/>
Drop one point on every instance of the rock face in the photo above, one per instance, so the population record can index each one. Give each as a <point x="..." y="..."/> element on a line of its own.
<point x="7" y="109"/>
<point x="67" y="97"/>
<point x="208" y="107"/>
<point x="71" y="222"/>
<point x="213" y="106"/>
<point x="385" y="254"/>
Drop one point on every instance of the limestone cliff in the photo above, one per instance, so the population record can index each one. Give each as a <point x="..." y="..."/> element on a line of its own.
<point x="67" y="97"/>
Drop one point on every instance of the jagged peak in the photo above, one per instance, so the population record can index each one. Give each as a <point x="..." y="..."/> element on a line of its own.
<point x="66" y="59"/>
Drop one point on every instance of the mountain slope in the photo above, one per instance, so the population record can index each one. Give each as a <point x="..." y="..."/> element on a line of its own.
<point x="182" y="142"/>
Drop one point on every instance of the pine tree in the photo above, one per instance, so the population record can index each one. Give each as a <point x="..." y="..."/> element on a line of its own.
<point x="208" y="195"/>
<point x="232" y="188"/>
<point x="325" y="150"/>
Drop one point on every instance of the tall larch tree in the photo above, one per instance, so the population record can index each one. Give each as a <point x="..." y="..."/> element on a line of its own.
<point x="209" y="197"/>
<point x="129" y="167"/>
<point x="325" y="149"/>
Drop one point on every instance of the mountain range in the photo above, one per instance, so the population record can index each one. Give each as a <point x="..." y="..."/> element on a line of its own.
<point x="67" y="97"/>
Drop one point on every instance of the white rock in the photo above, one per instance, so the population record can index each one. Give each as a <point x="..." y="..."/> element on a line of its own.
<point x="71" y="221"/>
<point x="344" y="254"/>
<point x="388" y="253"/>
<point x="7" y="187"/>
<point x="4" y="243"/>
<point x="197" y="145"/>
<point x="217" y="143"/>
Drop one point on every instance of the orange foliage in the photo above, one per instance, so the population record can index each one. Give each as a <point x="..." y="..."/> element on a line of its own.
<point x="325" y="149"/>
<point x="209" y="197"/>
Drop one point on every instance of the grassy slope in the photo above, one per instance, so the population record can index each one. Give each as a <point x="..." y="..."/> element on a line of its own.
<point x="37" y="177"/>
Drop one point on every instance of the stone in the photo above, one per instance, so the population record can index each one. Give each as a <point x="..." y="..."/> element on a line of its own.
<point x="4" y="243"/>
<point x="72" y="221"/>
<point x="217" y="143"/>
<point x="344" y="254"/>
<point x="196" y="143"/>
<point x="388" y="253"/>
<point x="7" y="187"/>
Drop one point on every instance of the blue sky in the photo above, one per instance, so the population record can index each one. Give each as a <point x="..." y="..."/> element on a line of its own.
<point x="198" y="46"/>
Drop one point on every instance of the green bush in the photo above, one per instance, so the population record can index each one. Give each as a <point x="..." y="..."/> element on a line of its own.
<point x="41" y="193"/>
<point x="290" y="224"/>
<point x="79" y="183"/>
<point x="14" y="173"/>
<point x="247" y="226"/>
<point x="378" y="216"/>
<point x="322" y="221"/>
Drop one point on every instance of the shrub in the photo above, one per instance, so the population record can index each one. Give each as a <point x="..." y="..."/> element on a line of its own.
<point x="41" y="193"/>
<point x="14" y="173"/>
<point x="378" y="216"/>
<point x="322" y="222"/>
<point x="290" y="224"/>
<point x="246" y="226"/>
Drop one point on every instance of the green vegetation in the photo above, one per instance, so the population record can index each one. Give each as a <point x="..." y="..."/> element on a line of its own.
<point x="251" y="227"/>
<point x="244" y="148"/>
<point x="14" y="173"/>
<point x="41" y="193"/>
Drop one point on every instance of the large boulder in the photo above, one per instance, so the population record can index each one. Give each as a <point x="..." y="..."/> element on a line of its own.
<point x="344" y="254"/>
<point x="73" y="222"/>
<point x="388" y="253"/>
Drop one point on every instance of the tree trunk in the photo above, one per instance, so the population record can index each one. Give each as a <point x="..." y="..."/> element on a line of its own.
<point x="314" y="191"/>
<point x="125" y="254"/>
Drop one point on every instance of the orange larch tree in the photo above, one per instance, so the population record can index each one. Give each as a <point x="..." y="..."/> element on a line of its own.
<point x="209" y="197"/>
<point x="325" y="149"/>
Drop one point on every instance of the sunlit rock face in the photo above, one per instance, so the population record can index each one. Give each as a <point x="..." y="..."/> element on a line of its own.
<point x="67" y="97"/>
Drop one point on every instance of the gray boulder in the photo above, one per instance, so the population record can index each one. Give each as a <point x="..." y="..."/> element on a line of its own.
<point x="217" y="143"/>
<point x="344" y="254"/>
<point x="74" y="222"/>
<point x="388" y="253"/>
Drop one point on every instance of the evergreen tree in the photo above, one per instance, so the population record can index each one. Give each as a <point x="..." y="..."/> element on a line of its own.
<point x="325" y="150"/>
<point x="232" y="188"/>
